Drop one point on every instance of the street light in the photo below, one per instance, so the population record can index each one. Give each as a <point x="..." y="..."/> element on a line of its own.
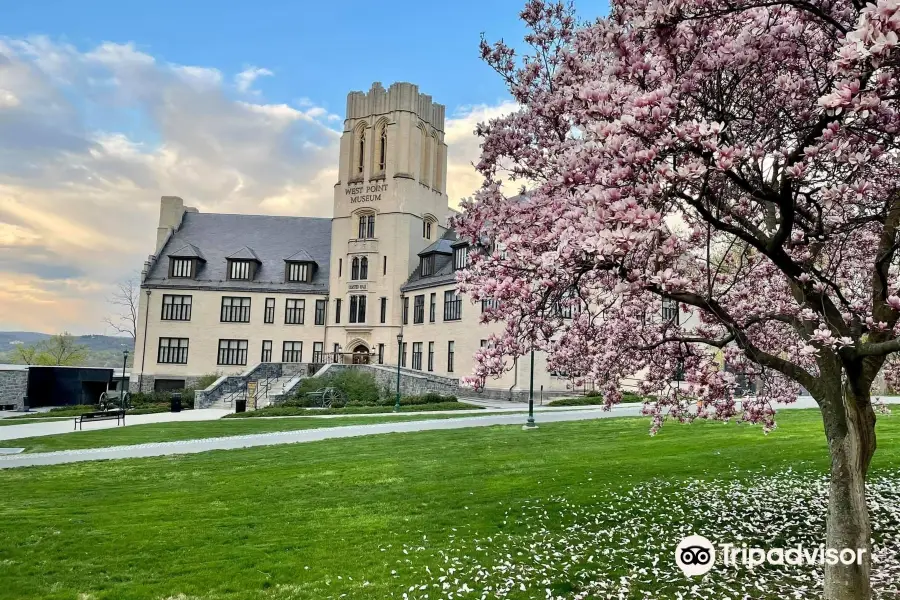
<point x="399" y="350"/>
<point x="124" y="362"/>
<point x="529" y="424"/>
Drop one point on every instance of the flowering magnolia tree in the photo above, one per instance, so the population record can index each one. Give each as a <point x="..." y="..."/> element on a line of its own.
<point x="737" y="159"/>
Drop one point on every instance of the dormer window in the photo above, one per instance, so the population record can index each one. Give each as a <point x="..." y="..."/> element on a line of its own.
<point x="182" y="267"/>
<point x="298" y="272"/>
<point x="460" y="257"/>
<point x="240" y="270"/>
<point x="427" y="265"/>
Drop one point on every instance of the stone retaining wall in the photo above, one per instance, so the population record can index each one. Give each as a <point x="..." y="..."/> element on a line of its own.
<point x="14" y="386"/>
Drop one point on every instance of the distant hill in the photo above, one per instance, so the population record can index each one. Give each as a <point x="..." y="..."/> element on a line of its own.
<point x="104" y="350"/>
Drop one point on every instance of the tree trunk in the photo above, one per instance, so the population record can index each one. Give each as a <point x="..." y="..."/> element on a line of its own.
<point x="851" y="438"/>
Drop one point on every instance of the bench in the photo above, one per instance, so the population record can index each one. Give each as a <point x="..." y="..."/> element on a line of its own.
<point x="106" y="415"/>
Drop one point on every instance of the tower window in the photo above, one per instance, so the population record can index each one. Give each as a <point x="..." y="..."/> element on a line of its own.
<point x="425" y="168"/>
<point x="358" y="309"/>
<point x="427" y="228"/>
<point x="364" y="268"/>
<point x="361" y="157"/>
<point x="354" y="268"/>
<point x="366" y="227"/>
<point x="359" y="268"/>
<point x="382" y="149"/>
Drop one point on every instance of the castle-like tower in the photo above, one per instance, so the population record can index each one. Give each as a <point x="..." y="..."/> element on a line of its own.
<point x="389" y="204"/>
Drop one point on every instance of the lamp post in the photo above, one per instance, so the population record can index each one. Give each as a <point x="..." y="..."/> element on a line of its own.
<point x="529" y="424"/>
<point x="399" y="350"/>
<point x="124" y="362"/>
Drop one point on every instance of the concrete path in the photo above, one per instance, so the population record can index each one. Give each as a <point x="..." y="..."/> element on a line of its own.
<point x="30" y="428"/>
<point x="294" y="437"/>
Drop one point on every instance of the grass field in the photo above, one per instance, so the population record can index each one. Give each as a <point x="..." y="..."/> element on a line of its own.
<point x="497" y="510"/>
<point x="191" y="430"/>
<point x="19" y="421"/>
<point x="294" y="411"/>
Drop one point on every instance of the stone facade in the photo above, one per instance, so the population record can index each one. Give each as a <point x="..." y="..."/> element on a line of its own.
<point x="13" y="385"/>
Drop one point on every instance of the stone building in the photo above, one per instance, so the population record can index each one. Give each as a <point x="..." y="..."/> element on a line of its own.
<point x="223" y="293"/>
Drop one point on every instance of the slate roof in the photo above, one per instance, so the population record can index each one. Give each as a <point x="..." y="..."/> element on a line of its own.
<point x="272" y="238"/>
<point x="188" y="251"/>
<point x="443" y="265"/>
<point x="300" y="256"/>
<point x="244" y="253"/>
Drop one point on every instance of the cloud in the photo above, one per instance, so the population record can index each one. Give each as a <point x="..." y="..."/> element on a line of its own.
<point x="245" y="78"/>
<point x="464" y="147"/>
<point x="90" y="140"/>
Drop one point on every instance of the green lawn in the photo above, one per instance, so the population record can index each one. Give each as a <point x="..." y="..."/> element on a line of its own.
<point x="19" y="420"/>
<point x="285" y="411"/>
<point x="189" y="430"/>
<point x="362" y="517"/>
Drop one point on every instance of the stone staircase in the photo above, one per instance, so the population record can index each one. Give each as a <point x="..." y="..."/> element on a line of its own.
<point x="276" y="390"/>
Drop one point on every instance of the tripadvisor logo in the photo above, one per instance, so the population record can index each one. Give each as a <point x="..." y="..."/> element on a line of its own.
<point x="695" y="556"/>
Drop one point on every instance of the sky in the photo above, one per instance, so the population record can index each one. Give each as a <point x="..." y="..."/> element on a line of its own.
<point x="234" y="106"/>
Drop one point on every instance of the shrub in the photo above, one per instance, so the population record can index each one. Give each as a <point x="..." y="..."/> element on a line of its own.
<point x="206" y="380"/>
<point x="593" y="394"/>
<point x="359" y="388"/>
<point x="429" y="398"/>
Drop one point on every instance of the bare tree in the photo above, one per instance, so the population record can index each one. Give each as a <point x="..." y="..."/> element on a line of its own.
<point x="125" y="299"/>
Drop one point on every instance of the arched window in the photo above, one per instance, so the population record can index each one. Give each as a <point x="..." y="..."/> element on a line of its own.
<point x="366" y="229"/>
<point x="364" y="268"/>
<point x="361" y="153"/>
<point x="429" y="227"/>
<point x="425" y="169"/>
<point x="436" y="180"/>
<point x="382" y="148"/>
<point x="354" y="270"/>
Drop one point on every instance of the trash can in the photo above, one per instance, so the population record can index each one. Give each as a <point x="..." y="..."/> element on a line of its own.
<point x="176" y="402"/>
<point x="240" y="406"/>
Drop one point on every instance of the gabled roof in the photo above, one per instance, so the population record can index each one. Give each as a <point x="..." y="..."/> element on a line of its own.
<point x="245" y="253"/>
<point x="442" y="246"/>
<point x="299" y="256"/>
<point x="270" y="238"/>
<point x="444" y="272"/>
<point x="187" y="251"/>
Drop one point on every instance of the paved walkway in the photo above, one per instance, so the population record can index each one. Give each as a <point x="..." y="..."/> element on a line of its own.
<point x="301" y="436"/>
<point x="35" y="427"/>
<point x="486" y="418"/>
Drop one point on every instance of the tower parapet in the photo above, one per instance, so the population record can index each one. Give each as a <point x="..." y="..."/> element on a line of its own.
<point x="401" y="96"/>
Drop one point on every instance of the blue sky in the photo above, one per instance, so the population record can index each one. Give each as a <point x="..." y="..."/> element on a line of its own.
<point x="323" y="48"/>
<point x="234" y="106"/>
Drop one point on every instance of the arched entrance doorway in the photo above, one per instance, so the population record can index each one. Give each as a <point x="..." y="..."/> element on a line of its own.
<point x="360" y="355"/>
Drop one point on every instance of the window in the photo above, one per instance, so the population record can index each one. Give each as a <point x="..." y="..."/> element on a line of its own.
<point x="269" y="313"/>
<point x="235" y="310"/>
<point x="340" y="266"/>
<point x="358" y="309"/>
<point x="382" y="148"/>
<point x="384" y="266"/>
<point x="366" y="227"/>
<point x="240" y="269"/>
<point x="406" y="310"/>
<point x="173" y="351"/>
<point x="670" y="310"/>
<point x="320" y="312"/>
<point x="294" y="311"/>
<point x="483" y="343"/>
<point x="417" y="356"/>
<point x="679" y="370"/>
<point x="337" y="311"/>
<point x="232" y="352"/>
<point x="266" y="351"/>
<point x="380" y="354"/>
<point x="419" y="309"/>
<point x="337" y="353"/>
<point x="176" y="308"/>
<point x="292" y="352"/>
<point x="431" y="356"/>
<point x="298" y="272"/>
<point x="432" y="307"/>
<point x="425" y="167"/>
<point x="427" y="263"/>
<point x="182" y="267"/>
<point x="460" y="257"/>
<point x="452" y="306"/>
<point x="403" y="354"/>
<point x="427" y="225"/>
<point x="361" y="152"/>
<point x="359" y="268"/>
<point x="489" y="303"/>
<point x="319" y="352"/>
<point x="450" y="352"/>
<point x="384" y="310"/>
